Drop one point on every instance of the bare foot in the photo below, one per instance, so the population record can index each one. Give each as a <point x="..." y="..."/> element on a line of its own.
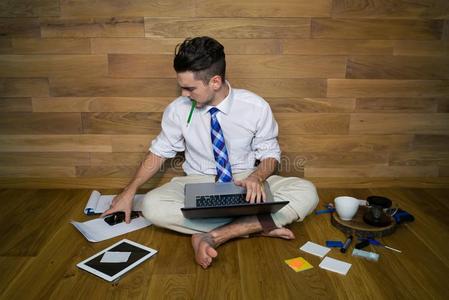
<point x="202" y="244"/>
<point x="282" y="232"/>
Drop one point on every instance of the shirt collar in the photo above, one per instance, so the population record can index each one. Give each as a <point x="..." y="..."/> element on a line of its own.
<point x="225" y="105"/>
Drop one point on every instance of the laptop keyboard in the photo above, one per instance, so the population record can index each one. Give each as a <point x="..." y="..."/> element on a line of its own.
<point x="220" y="200"/>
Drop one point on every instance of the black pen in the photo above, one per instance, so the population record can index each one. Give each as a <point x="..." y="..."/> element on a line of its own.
<point x="346" y="244"/>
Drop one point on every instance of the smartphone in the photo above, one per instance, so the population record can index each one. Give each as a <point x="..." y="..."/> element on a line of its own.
<point x="119" y="217"/>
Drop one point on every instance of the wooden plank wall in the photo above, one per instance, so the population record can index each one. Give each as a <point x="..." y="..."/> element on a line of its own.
<point x="360" y="88"/>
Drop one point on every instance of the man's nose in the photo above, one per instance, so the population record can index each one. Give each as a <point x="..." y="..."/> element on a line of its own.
<point x="185" y="93"/>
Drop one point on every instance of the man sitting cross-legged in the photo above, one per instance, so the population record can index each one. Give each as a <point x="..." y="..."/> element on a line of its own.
<point x="228" y="131"/>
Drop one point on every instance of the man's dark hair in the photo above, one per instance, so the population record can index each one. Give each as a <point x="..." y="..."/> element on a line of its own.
<point x="203" y="56"/>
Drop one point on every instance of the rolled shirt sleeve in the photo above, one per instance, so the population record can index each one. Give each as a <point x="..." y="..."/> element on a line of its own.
<point x="265" y="143"/>
<point x="170" y="140"/>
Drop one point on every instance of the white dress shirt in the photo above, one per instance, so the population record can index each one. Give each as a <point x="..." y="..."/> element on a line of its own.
<point x="248" y="126"/>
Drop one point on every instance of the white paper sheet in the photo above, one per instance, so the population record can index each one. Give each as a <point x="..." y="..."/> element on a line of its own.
<point x="315" y="249"/>
<point x="98" y="230"/>
<point x="99" y="203"/>
<point x="115" y="257"/>
<point x="335" y="265"/>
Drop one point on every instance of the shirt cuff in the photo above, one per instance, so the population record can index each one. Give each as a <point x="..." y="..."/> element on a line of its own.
<point x="162" y="153"/>
<point x="269" y="154"/>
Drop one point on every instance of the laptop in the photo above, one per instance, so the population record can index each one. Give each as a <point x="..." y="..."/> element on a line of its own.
<point x="213" y="200"/>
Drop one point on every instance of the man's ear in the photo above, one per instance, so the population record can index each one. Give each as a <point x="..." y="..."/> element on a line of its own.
<point x="216" y="82"/>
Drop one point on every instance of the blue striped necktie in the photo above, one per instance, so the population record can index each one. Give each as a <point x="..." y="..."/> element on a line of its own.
<point x="224" y="173"/>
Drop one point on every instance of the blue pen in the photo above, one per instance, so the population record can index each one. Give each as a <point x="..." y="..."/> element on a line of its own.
<point x="334" y="244"/>
<point x="324" y="211"/>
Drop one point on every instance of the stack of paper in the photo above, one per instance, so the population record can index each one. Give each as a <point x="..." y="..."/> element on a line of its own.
<point x="335" y="265"/>
<point x="99" y="203"/>
<point x="328" y="263"/>
<point x="98" y="230"/>
<point x="315" y="249"/>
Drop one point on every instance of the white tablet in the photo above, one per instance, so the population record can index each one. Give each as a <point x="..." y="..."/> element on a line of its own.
<point x="116" y="260"/>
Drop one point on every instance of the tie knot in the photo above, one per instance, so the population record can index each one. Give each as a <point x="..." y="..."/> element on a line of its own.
<point x="213" y="111"/>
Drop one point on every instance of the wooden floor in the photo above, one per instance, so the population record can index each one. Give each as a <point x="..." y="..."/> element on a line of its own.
<point x="39" y="252"/>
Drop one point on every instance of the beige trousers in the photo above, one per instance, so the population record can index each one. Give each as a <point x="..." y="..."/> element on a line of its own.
<point x="162" y="206"/>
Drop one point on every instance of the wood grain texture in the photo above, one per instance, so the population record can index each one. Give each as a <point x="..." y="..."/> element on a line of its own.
<point x="165" y="286"/>
<point x="228" y="27"/>
<point x="240" y="66"/>
<point x="374" y="171"/>
<point x="397" y="105"/>
<point x="15" y="105"/>
<point x="167" y="46"/>
<point x="399" y="123"/>
<point x="24" y="87"/>
<point x="293" y="161"/>
<point x="421" y="48"/>
<point x="430" y="142"/>
<point x="313" y="123"/>
<point x="359" y="79"/>
<point x="443" y="171"/>
<point x="97" y="104"/>
<point x="326" y="28"/>
<point x="425" y="9"/>
<point x="120" y="172"/>
<point x="130" y="8"/>
<point x="50" y="46"/>
<point x="122" y="123"/>
<point x="5" y="45"/>
<point x="131" y="142"/>
<point x="322" y="105"/>
<point x="419" y="158"/>
<point x="237" y="273"/>
<point x="42" y="171"/>
<point x="101" y="183"/>
<point x="141" y="65"/>
<point x="55" y="143"/>
<point x="445" y="34"/>
<point x="386" y="88"/>
<point x="54" y="159"/>
<point x="336" y="47"/>
<point x="127" y="45"/>
<point x="92" y="27"/>
<point x="20" y="27"/>
<point x="29" y="8"/>
<point x="115" y="159"/>
<point x="263" y="8"/>
<point x="286" y="66"/>
<point x="106" y="171"/>
<point x="283" y="87"/>
<point x="40" y="123"/>
<point x="443" y="105"/>
<point x="53" y="65"/>
<point x="423" y="218"/>
<point x="345" y="143"/>
<point x="321" y="182"/>
<point x="114" y="87"/>
<point x="397" y="67"/>
<point x="10" y="267"/>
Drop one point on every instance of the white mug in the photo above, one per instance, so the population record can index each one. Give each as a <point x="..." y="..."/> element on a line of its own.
<point x="346" y="207"/>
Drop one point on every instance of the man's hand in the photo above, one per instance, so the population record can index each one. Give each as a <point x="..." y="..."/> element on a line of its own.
<point x="122" y="202"/>
<point x="254" y="189"/>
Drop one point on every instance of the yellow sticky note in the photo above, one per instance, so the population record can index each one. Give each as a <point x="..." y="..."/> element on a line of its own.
<point x="298" y="264"/>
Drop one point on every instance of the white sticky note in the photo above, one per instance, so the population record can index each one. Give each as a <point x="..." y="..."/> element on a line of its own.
<point x="115" y="257"/>
<point x="335" y="265"/>
<point x="315" y="249"/>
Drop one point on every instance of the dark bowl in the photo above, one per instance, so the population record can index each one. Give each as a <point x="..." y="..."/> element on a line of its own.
<point x="383" y="202"/>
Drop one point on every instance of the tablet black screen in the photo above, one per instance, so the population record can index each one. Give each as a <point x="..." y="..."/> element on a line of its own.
<point x="113" y="268"/>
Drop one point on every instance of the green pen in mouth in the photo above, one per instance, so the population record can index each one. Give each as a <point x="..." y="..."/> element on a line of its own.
<point x="191" y="111"/>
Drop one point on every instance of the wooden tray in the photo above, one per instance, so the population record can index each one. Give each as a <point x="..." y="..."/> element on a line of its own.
<point x="359" y="228"/>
